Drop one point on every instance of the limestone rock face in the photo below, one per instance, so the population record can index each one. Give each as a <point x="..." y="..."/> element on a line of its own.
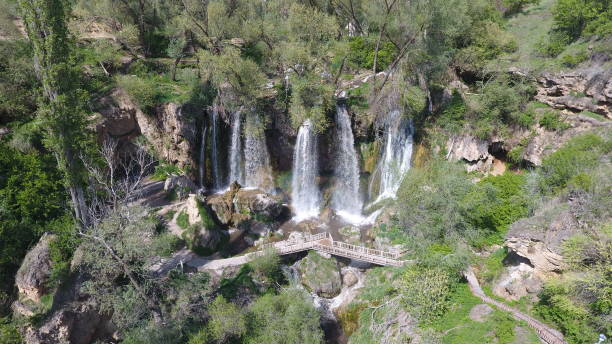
<point x="320" y="275"/>
<point x="33" y="275"/>
<point x="588" y="89"/>
<point x="81" y="325"/>
<point x="538" y="238"/>
<point x="517" y="281"/>
<point x="473" y="151"/>
<point x="169" y="130"/>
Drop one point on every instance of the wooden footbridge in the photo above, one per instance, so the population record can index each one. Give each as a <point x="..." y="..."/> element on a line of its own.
<point x="323" y="242"/>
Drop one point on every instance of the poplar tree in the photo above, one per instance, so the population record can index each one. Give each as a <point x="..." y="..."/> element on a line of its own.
<point x="61" y="105"/>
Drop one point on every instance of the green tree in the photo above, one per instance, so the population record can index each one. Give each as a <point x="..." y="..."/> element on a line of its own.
<point x="61" y="110"/>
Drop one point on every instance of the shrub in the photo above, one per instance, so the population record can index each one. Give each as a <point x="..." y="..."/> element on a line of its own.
<point x="143" y="92"/>
<point x="496" y="202"/>
<point x="550" y="121"/>
<point x="571" y="61"/>
<point x="361" y="53"/>
<point x="577" y="155"/>
<point x="8" y="332"/>
<point x="182" y="220"/>
<point x="164" y="171"/>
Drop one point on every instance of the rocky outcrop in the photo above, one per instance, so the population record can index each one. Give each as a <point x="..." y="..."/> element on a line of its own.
<point x="239" y="205"/>
<point x="33" y="275"/>
<point x="589" y="89"/>
<point x="168" y="129"/>
<point x="320" y="275"/>
<point x="473" y="151"/>
<point x="72" y="317"/>
<point x="181" y="185"/>
<point x="81" y="324"/>
<point x="538" y="238"/>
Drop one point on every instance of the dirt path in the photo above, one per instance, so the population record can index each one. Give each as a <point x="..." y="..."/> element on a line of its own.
<point x="547" y="335"/>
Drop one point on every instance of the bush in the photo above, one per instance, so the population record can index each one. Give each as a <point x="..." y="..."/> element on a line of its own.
<point x="8" y="332"/>
<point x="143" y="92"/>
<point x="361" y="53"/>
<point x="182" y="220"/>
<point x="163" y="171"/>
<point x="571" y="61"/>
<point x="578" y="154"/>
<point x="496" y="202"/>
<point x="550" y="121"/>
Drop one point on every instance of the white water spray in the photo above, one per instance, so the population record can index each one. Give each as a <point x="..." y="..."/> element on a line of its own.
<point x="346" y="198"/>
<point x="305" y="195"/>
<point x="395" y="161"/>
<point x="235" y="160"/>
<point x="257" y="169"/>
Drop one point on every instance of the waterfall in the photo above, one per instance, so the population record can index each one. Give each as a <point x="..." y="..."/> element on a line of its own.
<point x="217" y="182"/>
<point x="346" y="198"/>
<point x="235" y="160"/>
<point x="305" y="195"/>
<point x="257" y="169"/>
<point x="395" y="161"/>
<point x="202" y="156"/>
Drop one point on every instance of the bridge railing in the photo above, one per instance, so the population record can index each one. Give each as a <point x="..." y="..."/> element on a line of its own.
<point x="365" y="250"/>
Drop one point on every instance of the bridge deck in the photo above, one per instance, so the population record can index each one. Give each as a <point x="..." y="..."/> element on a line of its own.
<point x="323" y="242"/>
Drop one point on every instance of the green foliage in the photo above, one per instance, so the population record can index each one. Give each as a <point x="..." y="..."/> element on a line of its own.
<point x="496" y="202"/>
<point x="226" y="320"/>
<point x="453" y="115"/>
<point x="576" y="18"/>
<point x="163" y="171"/>
<point x="182" y="220"/>
<point x="8" y="332"/>
<point x="229" y="287"/>
<point x="144" y="93"/>
<point x="361" y="53"/>
<point x="577" y="155"/>
<point x="572" y="61"/>
<point x="515" y="6"/>
<point x="267" y="268"/>
<point x="18" y="82"/>
<point x="426" y="292"/>
<point x="31" y="197"/>
<point x="550" y="120"/>
<point x="287" y="318"/>
<point x="310" y="100"/>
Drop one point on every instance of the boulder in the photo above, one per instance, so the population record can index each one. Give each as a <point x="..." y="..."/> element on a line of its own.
<point x="33" y="275"/>
<point x="349" y="278"/>
<point x="182" y="185"/>
<point x="320" y="275"/>
<point x="517" y="281"/>
<point x="481" y="312"/>
<point x="239" y="206"/>
<point x="81" y="324"/>
<point x="255" y="201"/>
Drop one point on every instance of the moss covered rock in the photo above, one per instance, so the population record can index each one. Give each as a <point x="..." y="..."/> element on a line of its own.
<point x="320" y="275"/>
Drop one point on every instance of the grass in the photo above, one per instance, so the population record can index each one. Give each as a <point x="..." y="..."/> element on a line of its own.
<point x="530" y="28"/>
<point x="594" y="116"/>
<point x="458" y="328"/>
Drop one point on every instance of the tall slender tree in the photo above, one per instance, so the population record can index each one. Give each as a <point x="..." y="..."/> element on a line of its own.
<point x="61" y="106"/>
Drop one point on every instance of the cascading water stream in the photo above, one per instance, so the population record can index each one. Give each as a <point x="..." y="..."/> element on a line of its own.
<point x="346" y="198"/>
<point x="202" y="155"/>
<point x="235" y="160"/>
<point x="395" y="161"/>
<point x="257" y="168"/>
<point x="305" y="195"/>
<point x="216" y="173"/>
